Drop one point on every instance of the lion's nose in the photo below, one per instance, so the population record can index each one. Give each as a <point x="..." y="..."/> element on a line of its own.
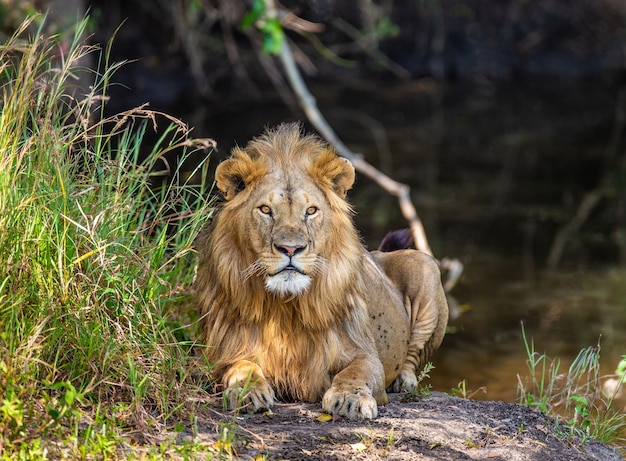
<point x="290" y="250"/>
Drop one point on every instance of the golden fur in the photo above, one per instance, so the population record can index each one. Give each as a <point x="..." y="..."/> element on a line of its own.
<point x="292" y="304"/>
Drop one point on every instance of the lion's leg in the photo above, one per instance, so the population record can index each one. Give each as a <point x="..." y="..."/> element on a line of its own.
<point x="417" y="277"/>
<point x="357" y="390"/>
<point x="425" y="339"/>
<point x="247" y="388"/>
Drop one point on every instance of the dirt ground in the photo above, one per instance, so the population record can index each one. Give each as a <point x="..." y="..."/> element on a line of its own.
<point x="436" y="427"/>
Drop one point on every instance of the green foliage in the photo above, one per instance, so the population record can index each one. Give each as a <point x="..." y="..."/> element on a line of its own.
<point x="254" y="15"/>
<point x="272" y="33"/>
<point x="96" y="235"/>
<point x="573" y="396"/>
<point x="423" y="374"/>
<point x="386" y="28"/>
<point x="420" y="390"/>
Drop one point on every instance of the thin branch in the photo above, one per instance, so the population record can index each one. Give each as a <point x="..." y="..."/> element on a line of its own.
<point x="585" y="208"/>
<point x="367" y="47"/>
<point x="402" y="191"/>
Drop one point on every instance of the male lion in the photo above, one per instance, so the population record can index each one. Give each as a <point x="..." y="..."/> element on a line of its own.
<point x="292" y="304"/>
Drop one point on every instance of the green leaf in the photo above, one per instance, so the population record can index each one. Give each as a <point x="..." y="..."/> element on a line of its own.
<point x="579" y="399"/>
<point x="11" y="410"/>
<point x="273" y="36"/>
<point x="69" y="397"/>
<point x="256" y="13"/>
<point x="54" y="413"/>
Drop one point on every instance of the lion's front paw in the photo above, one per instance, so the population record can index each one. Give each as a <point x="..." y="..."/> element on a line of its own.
<point x="351" y="402"/>
<point x="246" y="388"/>
<point x="257" y="397"/>
<point x="405" y="382"/>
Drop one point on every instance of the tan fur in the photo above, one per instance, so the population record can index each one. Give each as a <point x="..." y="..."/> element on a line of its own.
<point x="292" y="304"/>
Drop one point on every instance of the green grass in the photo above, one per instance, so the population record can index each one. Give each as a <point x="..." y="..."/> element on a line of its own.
<point x="96" y="234"/>
<point x="574" y="396"/>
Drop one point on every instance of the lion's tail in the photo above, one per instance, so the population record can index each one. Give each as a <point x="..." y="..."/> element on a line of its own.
<point x="400" y="239"/>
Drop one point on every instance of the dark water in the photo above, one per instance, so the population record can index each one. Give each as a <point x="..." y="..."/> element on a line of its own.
<point x="494" y="172"/>
<point x="562" y="313"/>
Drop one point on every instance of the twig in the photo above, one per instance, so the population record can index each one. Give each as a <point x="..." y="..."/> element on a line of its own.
<point x="401" y="191"/>
<point x="375" y="129"/>
<point x="362" y="43"/>
<point x="585" y="208"/>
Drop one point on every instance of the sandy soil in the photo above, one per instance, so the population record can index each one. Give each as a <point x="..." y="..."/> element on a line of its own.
<point x="437" y="427"/>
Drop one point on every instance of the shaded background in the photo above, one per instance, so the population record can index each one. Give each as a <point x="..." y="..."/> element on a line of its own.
<point x="506" y="118"/>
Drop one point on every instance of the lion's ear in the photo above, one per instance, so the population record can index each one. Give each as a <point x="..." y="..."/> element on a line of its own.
<point x="338" y="171"/>
<point x="235" y="174"/>
<point x="344" y="180"/>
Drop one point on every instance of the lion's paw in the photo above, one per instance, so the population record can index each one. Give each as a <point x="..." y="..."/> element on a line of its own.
<point x="351" y="402"/>
<point x="246" y="388"/>
<point x="257" y="397"/>
<point x="405" y="382"/>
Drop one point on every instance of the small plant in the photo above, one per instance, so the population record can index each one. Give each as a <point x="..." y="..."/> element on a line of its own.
<point x="462" y="392"/>
<point x="425" y="373"/>
<point x="470" y="443"/>
<point x="573" y="396"/>
<point x="420" y="391"/>
<point x="225" y="444"/>
<point x="392" y="439"/>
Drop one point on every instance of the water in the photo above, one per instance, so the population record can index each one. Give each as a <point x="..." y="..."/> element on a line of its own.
<point x="495" y="172"/>
<point x="562" y="313"/>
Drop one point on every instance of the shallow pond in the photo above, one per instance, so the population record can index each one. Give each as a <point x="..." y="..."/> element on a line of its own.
<point x="495" y="172"/>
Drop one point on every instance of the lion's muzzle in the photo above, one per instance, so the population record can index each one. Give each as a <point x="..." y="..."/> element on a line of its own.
<point x="289" y="276"/>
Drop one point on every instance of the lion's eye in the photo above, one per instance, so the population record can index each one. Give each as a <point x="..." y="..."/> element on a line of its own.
<point x="310" y="211"/>
<point x="265" y="209"/>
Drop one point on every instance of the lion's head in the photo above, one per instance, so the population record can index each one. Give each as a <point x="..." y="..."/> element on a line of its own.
<point x="285" y="217"/>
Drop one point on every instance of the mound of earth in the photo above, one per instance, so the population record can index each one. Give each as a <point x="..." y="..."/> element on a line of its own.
<point x="437" y="427"/>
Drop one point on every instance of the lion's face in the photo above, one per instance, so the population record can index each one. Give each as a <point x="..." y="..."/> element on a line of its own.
<point x="287" y="205"/>
<point x="288" y="227"/>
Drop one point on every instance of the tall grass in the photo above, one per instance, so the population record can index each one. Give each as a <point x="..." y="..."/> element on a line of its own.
<point x="96" y="233"/>
<point x="574" y="396"/>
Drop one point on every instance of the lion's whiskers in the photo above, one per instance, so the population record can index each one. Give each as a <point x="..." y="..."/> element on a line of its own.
<point x="320" y="266"/>
<point x="256" y="268"/>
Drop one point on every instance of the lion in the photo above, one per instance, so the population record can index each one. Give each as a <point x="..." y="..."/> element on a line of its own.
<point x="293" y="306"/>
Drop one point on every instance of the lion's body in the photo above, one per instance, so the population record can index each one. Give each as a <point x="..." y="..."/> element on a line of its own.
<point x="292" y="303"/>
